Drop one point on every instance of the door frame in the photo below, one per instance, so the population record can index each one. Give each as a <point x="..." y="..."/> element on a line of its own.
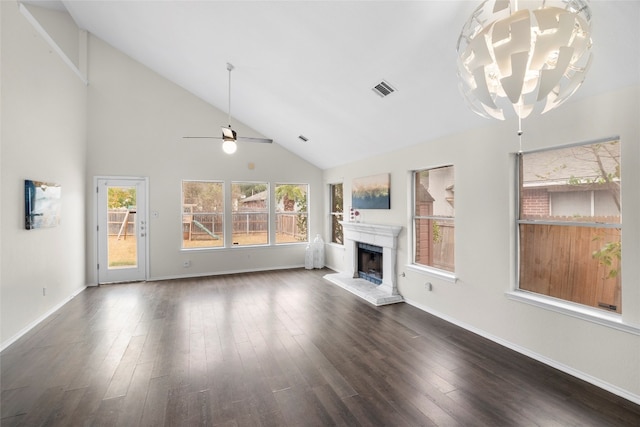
<point x="96" y="222"/>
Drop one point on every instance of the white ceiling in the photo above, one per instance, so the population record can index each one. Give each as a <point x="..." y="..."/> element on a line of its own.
<point x="307" y="67"/>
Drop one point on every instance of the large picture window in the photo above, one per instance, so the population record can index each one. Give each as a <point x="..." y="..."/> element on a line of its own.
<point x="433" y="218"/>
<point x="569" y="224"/>
<point x="291" y="213"/>
<point x="336" y="212"/>
<point x="202" y="214"/>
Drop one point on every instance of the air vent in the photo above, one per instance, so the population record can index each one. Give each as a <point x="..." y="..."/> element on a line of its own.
<point x="383" y="89"/>
<point x="303" y="138"/>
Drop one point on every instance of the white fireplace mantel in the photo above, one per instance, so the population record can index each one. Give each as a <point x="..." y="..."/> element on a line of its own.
<point x="385" y="236"/>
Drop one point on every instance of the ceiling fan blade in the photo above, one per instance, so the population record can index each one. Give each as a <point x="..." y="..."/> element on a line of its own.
<point x="228" y="134"/>
<point x="240" y="138"/>
<point x="249" y="139"/>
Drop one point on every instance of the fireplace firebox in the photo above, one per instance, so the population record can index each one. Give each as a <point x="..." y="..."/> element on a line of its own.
<point x="370" y="262"/>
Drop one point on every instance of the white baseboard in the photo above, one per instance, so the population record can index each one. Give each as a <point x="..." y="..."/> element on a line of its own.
<point x="35" y="323"/>
<point x="540" y="358"/>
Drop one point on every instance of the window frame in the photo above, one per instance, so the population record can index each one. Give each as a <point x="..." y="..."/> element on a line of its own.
<point x="268" y="212"/>
<point x="222" y="214"/>
<point x="560" y="305"/>
<point x="430" y="270"/>
<point x="336" y="215"/>
<point x="277" y="212"/>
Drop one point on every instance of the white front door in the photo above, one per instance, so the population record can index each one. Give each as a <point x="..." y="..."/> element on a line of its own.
<point x="122" y="229"/>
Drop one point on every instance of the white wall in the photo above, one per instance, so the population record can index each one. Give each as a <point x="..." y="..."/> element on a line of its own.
<point x="485" y="248"/>
<point x="43" y="105"/>
<point x="136" y="123"/>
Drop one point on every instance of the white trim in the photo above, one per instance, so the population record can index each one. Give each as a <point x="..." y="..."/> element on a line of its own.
<point x="40" y="29"/>
<point x="540" y="358"/>
<point x="433" y="272"/>
<point x="594" y="315"/>
<point x="147" y="258"/>
<point x="35" y="323"/>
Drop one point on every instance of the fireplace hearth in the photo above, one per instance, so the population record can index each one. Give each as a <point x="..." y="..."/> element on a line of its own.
<point x="371" y="276"/>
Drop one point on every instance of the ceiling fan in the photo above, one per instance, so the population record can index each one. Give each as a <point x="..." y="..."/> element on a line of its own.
<point x="229" y="136"/>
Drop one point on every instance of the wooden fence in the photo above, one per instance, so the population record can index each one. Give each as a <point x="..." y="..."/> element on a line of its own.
<point x="288" y="223"/>
<point x="250" y="222"/>
<point x="243" y="223"/>
<point x="115" y="220"/>
<point x="436" y="247"/>
<point x="558" y="261"/>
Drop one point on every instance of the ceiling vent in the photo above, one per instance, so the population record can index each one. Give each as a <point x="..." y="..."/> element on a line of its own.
<point x="383" y="89"/>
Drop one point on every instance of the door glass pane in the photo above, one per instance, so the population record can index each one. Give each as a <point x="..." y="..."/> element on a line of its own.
<point x="250" y="213"/>
<point x="121" y="213"/>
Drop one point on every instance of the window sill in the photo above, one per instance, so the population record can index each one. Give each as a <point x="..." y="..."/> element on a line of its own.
<point x="611" y="320"/>
<point x="434" y="272"/>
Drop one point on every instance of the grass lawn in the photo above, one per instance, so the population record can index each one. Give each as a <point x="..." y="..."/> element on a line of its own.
<point x="122" y="253"/>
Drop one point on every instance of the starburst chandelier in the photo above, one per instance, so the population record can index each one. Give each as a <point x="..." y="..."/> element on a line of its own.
<point x="525" y="59"/>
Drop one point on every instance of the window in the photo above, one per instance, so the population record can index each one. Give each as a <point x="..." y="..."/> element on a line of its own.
<point x="291" y="213"/>
<point x="250" y="213"/>
<point x="202" y="214"/>
<point x="433" y="219"/>
<point x="569" y="224"/>
<point x="337" y="206"/>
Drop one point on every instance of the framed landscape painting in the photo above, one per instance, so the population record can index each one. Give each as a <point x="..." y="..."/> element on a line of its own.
<point x="371" y="192"/>
<point x="41" y="204"/>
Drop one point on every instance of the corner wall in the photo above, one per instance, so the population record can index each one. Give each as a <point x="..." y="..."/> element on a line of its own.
<point x="485" y="250"/>
<point x="43" y="134"/>
<point x="137" y="120"/>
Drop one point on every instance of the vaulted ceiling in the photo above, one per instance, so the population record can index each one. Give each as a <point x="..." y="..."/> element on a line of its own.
<point x="308" y="68"/>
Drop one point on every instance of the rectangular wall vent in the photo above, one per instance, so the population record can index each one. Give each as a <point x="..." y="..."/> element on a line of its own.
<point x="383" y="89"/>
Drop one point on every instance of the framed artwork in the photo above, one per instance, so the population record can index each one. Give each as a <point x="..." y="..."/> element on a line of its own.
<point x="41" y="204"/>
<point x="371" y="192"/>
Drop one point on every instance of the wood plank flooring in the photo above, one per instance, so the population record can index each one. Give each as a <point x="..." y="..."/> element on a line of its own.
<point x="283" y="348"/>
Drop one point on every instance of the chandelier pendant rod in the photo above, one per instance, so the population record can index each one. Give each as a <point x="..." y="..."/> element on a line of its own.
<point x="520" y="134"/>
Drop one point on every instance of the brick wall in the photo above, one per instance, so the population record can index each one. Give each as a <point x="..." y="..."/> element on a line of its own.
<point x="535" y="201"/>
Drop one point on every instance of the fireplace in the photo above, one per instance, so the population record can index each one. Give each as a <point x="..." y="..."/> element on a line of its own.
<point x="370" y="263"/>
<point x="370" y="252"/>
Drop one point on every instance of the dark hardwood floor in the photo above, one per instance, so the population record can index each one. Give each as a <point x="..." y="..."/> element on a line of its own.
<point x="279" y="348"/>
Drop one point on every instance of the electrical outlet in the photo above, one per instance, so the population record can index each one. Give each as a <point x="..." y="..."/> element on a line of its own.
<point x="186" y="264"/>
<point x="428" y="286"/>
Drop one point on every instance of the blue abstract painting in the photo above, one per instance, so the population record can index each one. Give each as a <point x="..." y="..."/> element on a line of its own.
<point x="41" y="204"/>
<point x="371" y="192"/>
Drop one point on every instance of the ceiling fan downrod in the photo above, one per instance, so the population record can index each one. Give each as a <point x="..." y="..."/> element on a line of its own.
<point x="230" y="67"/>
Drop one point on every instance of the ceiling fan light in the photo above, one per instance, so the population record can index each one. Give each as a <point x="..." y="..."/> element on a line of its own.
<point x="229" y="146"/>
